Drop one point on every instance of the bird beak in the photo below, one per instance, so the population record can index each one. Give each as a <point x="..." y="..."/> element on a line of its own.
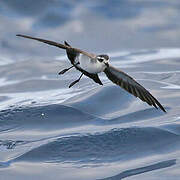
<point x="107" y="64"/>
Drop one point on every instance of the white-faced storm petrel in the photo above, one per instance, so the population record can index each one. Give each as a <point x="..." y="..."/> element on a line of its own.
<point x="90" y="65"/>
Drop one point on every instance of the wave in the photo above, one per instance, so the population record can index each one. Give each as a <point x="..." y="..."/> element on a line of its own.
<point x="111" y="146"/>
<point x="51" y="116"/>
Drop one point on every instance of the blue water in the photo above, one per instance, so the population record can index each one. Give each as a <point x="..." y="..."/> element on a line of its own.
<point x="89" y="132"/>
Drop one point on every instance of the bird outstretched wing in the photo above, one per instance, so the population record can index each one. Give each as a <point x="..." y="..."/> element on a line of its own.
<point x="129" y="84"/>
<point x="62" y="46"/>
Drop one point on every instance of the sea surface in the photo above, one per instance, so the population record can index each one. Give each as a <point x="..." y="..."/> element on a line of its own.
<point x="89" y="132"/>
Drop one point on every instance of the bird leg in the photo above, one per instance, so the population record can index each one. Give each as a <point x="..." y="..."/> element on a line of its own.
<point x="64" y="70"/>
<point x="73" y="83"/>
<point x="67" y="69"/>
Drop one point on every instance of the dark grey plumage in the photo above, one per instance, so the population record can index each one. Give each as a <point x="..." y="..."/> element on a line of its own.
<point x="129" y="84"/>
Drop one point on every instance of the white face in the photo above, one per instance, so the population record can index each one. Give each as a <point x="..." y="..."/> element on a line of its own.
<point x="103" y="59"/>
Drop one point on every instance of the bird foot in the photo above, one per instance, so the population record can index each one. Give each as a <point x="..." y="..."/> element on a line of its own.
<point x="73" y="83"/>
<point x="63" y="71"/>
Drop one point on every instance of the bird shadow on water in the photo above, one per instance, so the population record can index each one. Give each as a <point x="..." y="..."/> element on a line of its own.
<point x="132" y="172"/>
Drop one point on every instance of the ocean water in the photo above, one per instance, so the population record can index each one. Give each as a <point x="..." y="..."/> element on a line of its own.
<point x="88" y="132"/>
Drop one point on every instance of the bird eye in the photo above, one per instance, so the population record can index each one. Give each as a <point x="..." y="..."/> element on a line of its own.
<point x="100" y="59"/>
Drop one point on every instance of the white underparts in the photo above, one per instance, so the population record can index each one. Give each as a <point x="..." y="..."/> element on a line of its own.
<point x="90" y="65"/>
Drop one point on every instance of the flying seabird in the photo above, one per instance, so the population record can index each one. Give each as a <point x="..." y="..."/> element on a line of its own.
<point x="90" y="65"/>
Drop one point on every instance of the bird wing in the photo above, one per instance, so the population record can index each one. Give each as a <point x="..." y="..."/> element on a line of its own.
<point x="62" y="46"/>
<point x="129" y="84"/>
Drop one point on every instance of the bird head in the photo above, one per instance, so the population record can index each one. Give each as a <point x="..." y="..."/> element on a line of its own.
<point x="103" y="59"/>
